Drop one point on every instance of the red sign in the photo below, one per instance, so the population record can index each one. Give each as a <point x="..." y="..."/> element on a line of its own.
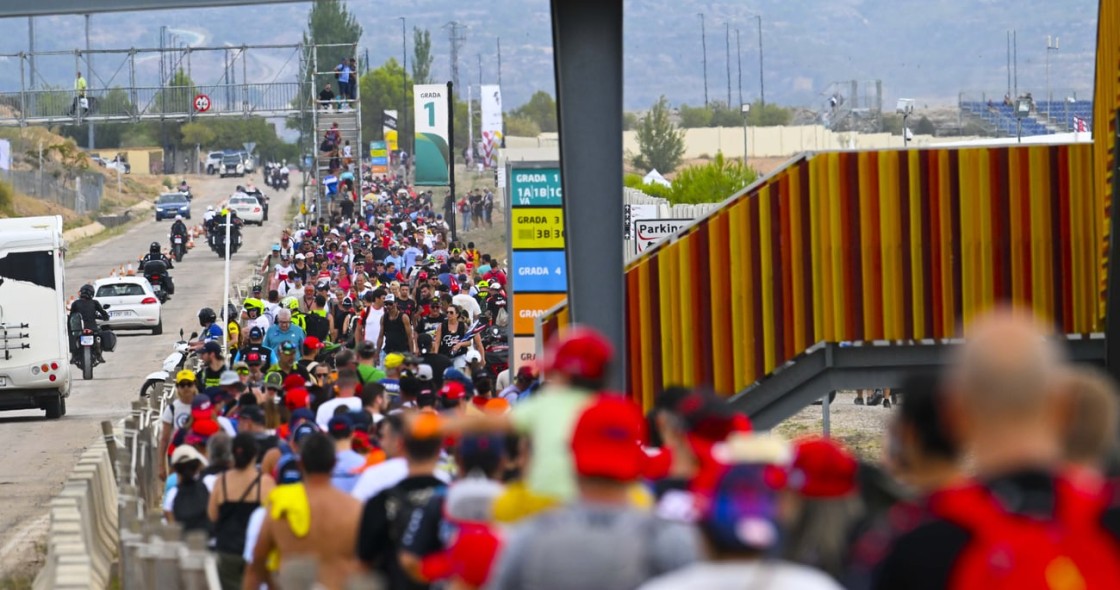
<point x="202" y="103"/>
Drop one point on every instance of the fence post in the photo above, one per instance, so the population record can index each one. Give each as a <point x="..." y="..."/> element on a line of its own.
<point x="111" y="443"/>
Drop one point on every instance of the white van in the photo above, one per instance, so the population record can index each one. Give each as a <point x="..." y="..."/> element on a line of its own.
<point x="34" y="344"/>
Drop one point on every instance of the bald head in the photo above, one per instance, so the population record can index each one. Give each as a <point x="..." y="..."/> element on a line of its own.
<point x="1008" y="366"/>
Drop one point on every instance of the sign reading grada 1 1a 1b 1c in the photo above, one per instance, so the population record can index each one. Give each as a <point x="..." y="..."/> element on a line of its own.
<point x="538" y="267"/>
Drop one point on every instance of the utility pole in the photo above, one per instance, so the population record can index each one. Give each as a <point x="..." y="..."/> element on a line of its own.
<point x="1009" y="64"/>
<point x="1051" y="45"/>
<point x="456" y="41"/>
<point x="31" y="48"/>
<point x="451" y="157"/>
<point x="704" y="45"/>
<point x="739" y="58"/>
<point x="404" y="85"/>
<point x="727" y="42"/>
<point x="1015" y="57"/>
<point x="761" y="82"/>
<point x="499" y="61"/>
<point x="89" y="86"/>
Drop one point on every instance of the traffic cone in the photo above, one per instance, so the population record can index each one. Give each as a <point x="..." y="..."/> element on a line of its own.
<point x="130" y="271"/>
<point x="113" y="273"/>
<point x="190" y="244"/>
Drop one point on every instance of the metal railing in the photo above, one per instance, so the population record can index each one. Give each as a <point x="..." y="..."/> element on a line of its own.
<point x="80" y="193"/>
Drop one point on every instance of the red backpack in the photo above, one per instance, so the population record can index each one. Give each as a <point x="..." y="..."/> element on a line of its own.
<point x="1012" y="551"/>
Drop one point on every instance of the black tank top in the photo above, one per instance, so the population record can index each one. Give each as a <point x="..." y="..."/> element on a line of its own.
<point x="233" y="519"/>
<point x="448" y="339"/>
<point x="396" y="338"/>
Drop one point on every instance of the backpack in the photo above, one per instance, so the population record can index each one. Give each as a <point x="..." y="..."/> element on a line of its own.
<point x="189" y="507"/>
<point x="399" y="507"/>
<point x="1013" y="551"/>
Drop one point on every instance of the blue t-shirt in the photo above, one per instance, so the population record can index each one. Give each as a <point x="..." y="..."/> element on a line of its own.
<point x="212" y="333"/>
<point x="344" y="74"/>
<point x="347" y="467"/>
<point x="331" y="183"/>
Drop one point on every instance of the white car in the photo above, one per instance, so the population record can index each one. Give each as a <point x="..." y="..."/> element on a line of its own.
<point x="132" y="303"/>
<point x="248" y="208"/>
<point x="213" y="162"/>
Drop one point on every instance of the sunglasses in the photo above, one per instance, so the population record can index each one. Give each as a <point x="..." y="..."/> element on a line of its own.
<point x="243" y="371"/>
<point x="185" y="384"/>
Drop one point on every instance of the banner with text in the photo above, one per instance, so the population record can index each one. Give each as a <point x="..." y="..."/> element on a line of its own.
<point x="389" y="129"/>
<point x="433" y="156"/>
<point x="492" y="129"/>
<point x="538" y="264"/>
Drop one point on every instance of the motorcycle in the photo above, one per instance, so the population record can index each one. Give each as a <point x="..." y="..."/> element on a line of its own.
<point x="181" y="352"/>
<point x="154" y="272"/>
<point x="187" y="192"/>
<point x="283" y="180"/>
<point x="496" y="344"/>
<point x="89" y="341"/>
<point x="178" y="247"/>
<point x="218" y="239"/>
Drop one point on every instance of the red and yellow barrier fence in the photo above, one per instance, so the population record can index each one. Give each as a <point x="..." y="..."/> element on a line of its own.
<point x="863" y="246"/>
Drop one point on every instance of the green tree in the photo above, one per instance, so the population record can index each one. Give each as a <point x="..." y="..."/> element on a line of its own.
<point x="177" y="96"/>
<point x="422" y="55"/>
<point x="521" y="126"/>
<point x="660" y="143"/>
<point x="629" y="121"/>
<point x="381" y="89"/>
<point x="692" y="117"/>
<point x="541" y="109"/>
<point x="771" y="115"/>
<point x="198" y="133"/>
<point x="925" y="126"/>
<point x="652" y="189"/>
<point x="712" y="182"/>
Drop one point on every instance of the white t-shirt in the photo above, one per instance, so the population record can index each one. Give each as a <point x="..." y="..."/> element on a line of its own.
<point x="383" y="476"/>
<point x="252" y="532"/>
<point x="736" y="575"/>
<point x="326" y="411"/>
<point x="373" y="324"/>
<point x="284" y="270"/>
<point x="176" y="414"/>
<point x="261" y="322"/>
<point x="469" y="304"/>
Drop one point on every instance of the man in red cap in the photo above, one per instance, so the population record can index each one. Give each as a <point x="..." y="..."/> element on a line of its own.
<point x="311" y="348"/>
<point x="600" y="540"/>
<point x="577" y="368"/>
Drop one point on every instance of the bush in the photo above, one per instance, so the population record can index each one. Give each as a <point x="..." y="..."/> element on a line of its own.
<point x="712" y="182"/>
<point x="660" y="191"/>
<point x="168" y="182"/>
<point x="7" y="206"/>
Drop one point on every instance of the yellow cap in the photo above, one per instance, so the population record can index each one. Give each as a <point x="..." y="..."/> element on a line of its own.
<point x="394" y="360"/>
<point x="185" y="375"/>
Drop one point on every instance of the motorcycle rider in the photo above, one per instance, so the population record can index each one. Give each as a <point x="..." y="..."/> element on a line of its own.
<point x="179" y="229"/>
<point x="90" y="309"/>
<point x="155" y="254"/>
<point x="211" y="331"/>
<point x="183" y="186"/>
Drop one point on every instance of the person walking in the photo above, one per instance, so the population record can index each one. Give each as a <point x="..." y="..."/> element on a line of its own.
<point x="237" y="493"/>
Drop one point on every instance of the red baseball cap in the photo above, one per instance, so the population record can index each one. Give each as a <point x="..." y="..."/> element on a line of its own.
<point x="313" y="343"/>
<point x="821" y="468"/>
<point x="607" y="439"/>
<point x="581" y="352"/>
<point x="297" y="398"/>
<point x="453" y="390"/>
<point x="294" y="381"/>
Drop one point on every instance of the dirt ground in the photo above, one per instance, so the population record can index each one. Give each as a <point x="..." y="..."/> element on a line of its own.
<point x="861" y="428"/>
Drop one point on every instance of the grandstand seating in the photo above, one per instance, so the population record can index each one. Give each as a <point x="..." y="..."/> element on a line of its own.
<point x="1002" y="118"/>
<point x="1062" y="113"/>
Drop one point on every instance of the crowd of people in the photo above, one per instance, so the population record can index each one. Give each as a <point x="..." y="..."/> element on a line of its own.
<point x="357" y="428"/>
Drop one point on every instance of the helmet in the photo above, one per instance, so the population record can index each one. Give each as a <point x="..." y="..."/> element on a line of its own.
<point x="483" y="284"/>
<point x="253" y="304"/>
<point x="231" y="312"/>
<point x="209" y="207"/>
<point x="86" y="292"/>
<point x="207" y="316"/>
<point x="154" y="248"/>
<point x="178" y="218"/>
<point x="290" y="302"/>
<point x="582" y="353"/>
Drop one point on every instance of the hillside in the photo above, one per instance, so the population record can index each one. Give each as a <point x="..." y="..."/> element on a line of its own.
<point x="930" y="50"/>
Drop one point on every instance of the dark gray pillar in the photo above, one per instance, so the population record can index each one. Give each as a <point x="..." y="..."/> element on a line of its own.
<point x="587" y="44"/>
<point x="1112" y="311"/>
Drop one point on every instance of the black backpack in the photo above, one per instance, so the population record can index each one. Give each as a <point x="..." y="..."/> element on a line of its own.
<point x="189" y="507"/>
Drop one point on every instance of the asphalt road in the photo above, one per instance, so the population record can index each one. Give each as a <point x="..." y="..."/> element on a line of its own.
<point x="39" y="453"/>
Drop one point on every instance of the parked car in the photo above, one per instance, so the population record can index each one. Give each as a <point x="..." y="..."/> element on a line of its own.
<point x="169" y="205"/>
<point x="119" y="164"/>
<point x="231" y="166"/>
<point x="96" y="159"/>
<point x="213" y="162"/>
<point x="248" y="208"/>
<point x="132" y="303"/>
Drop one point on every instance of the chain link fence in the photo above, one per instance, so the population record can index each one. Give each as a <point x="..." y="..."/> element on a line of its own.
<point x="78" y="192"/>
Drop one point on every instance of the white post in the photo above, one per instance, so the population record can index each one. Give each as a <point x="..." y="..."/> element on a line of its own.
<point x="470" y="128"/>
<point x="225" y="294"/>
<point x="118" y="181"/>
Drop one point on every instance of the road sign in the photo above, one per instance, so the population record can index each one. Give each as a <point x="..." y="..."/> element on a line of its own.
<point x="201" y="103"/>
<point x="535" y="187"/>
<point x="537" y="228"/>
<point x="539" y="271"/>
<point x="528" y="306"/>
<point x="249" y="145"/>
<point x="648" y="232"/>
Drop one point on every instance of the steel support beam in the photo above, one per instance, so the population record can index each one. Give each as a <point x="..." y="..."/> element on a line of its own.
<point x="1112" y="311"/>
<point x="830" y="367"/>
<point x="587" y="45"/>
<point x="49" y="7"/>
